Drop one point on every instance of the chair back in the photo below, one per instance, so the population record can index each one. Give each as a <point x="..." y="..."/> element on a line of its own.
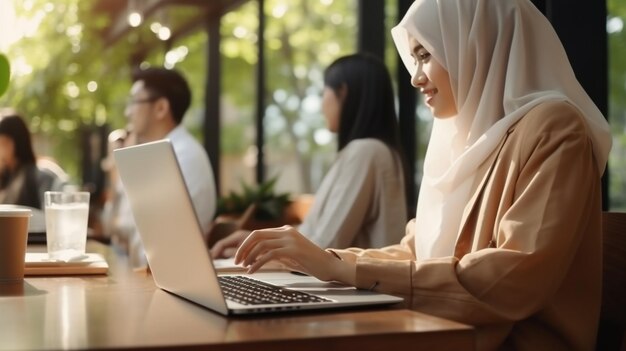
<point x="611" y="333"/>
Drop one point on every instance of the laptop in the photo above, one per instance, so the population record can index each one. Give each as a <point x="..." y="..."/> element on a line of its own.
<point x="178" y="257"/>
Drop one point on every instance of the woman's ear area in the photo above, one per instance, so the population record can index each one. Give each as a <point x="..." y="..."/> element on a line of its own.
<point x="342" y="92"/>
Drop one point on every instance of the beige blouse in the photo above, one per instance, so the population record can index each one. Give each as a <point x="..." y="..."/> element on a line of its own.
<point x="361" y="201"/>
<point x="527" y="264"/>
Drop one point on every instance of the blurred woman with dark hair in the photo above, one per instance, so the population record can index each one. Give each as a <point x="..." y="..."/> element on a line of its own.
<point x="362" y="197"/>
<point x="21" y="181"/>
<point x="361" y="201"/>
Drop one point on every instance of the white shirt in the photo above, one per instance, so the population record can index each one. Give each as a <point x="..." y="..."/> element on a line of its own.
<point x="198" y="174"/>
<point x="361" y="201"/>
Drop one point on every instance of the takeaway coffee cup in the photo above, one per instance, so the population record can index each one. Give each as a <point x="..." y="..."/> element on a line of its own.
<point x="13" y="237"/>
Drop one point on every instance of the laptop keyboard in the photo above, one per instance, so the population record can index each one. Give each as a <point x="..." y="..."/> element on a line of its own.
<point x="248" y="291"/>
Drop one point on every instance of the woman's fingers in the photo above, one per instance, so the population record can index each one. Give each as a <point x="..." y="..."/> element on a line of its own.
<point x="218" y="249"/>
<point x="228" y="246"/>
<point x="223" y="250"/>
<point x="264" y="258"/>
<point x="247" y="245"/>
<point x="262" y="247"/>
<point x="253" y="239"/>
<point x="288" y="246"/>
<point x="259" y="241"/>
<point x="229" y="252"/>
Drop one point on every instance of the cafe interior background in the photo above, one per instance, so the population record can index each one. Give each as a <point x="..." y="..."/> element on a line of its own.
<point x="255" y="68"/>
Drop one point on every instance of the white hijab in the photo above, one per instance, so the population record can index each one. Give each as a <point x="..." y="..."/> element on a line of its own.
<point x="503" y="58"/>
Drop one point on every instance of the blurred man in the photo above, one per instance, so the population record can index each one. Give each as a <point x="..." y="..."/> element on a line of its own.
<point x="158" y="101"/>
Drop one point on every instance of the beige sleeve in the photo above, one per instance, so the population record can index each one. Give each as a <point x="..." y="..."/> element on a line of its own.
<point x="401" y="251"/>
<point x="537" y="238"/>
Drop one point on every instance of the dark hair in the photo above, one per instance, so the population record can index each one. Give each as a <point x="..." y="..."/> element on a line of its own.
<point x="167" y="83"/>
<point x="368" y="110"/>
<point x="14" y="127"/>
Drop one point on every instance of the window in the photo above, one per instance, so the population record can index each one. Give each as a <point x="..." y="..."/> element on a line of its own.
<point x="617" y="103"/>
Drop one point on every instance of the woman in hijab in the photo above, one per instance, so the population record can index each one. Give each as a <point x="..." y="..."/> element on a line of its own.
<point x="507" y="235"/>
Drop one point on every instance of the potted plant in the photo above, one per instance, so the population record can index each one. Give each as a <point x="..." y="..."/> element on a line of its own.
<point x="267" y="208"/>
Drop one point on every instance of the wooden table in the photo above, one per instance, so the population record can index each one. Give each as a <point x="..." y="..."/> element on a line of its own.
<point x="124" y="310"/>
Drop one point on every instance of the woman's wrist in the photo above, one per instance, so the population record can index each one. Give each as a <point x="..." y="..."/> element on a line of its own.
<point x="343" y="271"/>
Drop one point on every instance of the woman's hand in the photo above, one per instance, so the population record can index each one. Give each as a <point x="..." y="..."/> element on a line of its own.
<point x="226" y="248"/>
<point x="288" y="246"/>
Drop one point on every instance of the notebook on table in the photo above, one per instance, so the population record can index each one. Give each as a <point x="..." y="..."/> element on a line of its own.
<point x="181" y="264"/>
<point x="37" y="263"/>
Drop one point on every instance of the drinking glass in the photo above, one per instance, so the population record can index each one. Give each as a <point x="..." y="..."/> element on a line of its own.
<point x="66" y="224"/>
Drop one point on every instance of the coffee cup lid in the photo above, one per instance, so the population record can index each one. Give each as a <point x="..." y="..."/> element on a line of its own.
<point x="14" y="211"/>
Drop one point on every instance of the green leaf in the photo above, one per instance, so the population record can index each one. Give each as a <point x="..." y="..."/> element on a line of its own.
<point x="269" y="205"/>
<point x="5" y="73"/>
